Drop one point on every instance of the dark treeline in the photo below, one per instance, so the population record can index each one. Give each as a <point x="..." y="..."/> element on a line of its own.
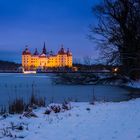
<point x="94" y="67"/>
<point x="6" y="65"/>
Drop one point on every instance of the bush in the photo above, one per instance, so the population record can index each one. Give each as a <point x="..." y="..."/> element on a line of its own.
<point x="66" y="106"/>
<point x="57" y="108"/>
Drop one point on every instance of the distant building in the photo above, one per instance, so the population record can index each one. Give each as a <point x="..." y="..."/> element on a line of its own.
<point x="46" y="59"/>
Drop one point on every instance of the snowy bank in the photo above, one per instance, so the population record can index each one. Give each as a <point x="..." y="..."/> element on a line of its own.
<point x="102" y="121"/>
<point x="134" y="84"/>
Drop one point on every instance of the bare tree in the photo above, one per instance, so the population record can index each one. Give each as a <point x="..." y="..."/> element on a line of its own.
<point x="77" y="61"/>
<point x="118" y="32"/>
<point x="87" y="60"/>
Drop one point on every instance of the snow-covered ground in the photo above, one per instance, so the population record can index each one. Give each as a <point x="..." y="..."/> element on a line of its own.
<point x="134" y="84"/>
<point x="102" y="121"/>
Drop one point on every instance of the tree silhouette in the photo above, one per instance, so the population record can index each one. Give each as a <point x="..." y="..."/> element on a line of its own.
<point x="118" y="33"/>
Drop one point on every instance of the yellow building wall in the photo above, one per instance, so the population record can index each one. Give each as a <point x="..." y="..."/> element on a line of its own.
<point x="62" y="60"/>
<point x="35" y="61"/>
<point x="26" y="61"/>
<point x="69" y="61"/>
<point x="29" y="61"/>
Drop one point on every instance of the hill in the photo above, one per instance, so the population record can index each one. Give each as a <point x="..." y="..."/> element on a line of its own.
<point x="8" y="66"/>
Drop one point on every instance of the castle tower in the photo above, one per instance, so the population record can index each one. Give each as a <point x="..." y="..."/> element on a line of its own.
<point x="61" y="51"/>
<point x="69" y="58"/>
<point x="44" y="49"/>
<point x="62" y="57"/>
<point x="26" y="58"/>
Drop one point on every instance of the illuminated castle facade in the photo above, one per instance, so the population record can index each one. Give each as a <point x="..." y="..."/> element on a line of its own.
<point x="45" y="59"/>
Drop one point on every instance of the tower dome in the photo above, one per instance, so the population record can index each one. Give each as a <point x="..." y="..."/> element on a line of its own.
<point x="26" y="51"/>
<point x="69" y="53"/>
<point x="61" y="51"/>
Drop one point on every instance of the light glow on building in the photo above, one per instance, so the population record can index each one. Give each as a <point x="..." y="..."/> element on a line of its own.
<point x="45" y="59"/>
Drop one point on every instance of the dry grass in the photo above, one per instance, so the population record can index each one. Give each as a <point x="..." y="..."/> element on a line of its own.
<point x="37" y="101"/>
<point x="18" y="106"/>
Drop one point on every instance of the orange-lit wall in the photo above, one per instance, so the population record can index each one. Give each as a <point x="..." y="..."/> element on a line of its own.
<point x="30" y="61"/>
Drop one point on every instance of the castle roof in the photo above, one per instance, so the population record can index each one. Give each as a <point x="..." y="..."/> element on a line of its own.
<point x="47" y="54"/>
<point x="26" y="52"/>
<point x="62" y="51"/>
<point x="44" y="49"/>
<point x="44" y="52"/>
<point x="69" y="53"/>
<point x="36" y="52"/>
<point x="42" y="55"/>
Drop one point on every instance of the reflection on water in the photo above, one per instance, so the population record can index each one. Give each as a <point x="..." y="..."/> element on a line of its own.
<point x="19" y="85"/>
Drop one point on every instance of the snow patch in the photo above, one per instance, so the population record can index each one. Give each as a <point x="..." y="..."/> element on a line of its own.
<point x="101" y="121"/>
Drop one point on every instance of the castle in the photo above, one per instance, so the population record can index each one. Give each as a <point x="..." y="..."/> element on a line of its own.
<point x="46" y="59"/>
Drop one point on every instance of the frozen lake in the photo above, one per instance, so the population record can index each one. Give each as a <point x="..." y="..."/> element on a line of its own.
<point x="20" y="85"/>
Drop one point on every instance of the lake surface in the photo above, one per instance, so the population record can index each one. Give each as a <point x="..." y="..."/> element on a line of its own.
<point x="20" y="85"/>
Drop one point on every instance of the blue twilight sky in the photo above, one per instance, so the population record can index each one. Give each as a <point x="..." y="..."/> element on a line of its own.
<point x="31" y="22"/>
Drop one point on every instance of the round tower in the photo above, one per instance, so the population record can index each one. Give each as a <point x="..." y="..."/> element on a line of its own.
<point x="26" y="59"/>
<point x="69" y="58"/>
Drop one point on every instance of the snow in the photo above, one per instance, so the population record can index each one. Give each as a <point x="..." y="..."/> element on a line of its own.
<point x="101" y="121"/>
<point x="134" y="84"/>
